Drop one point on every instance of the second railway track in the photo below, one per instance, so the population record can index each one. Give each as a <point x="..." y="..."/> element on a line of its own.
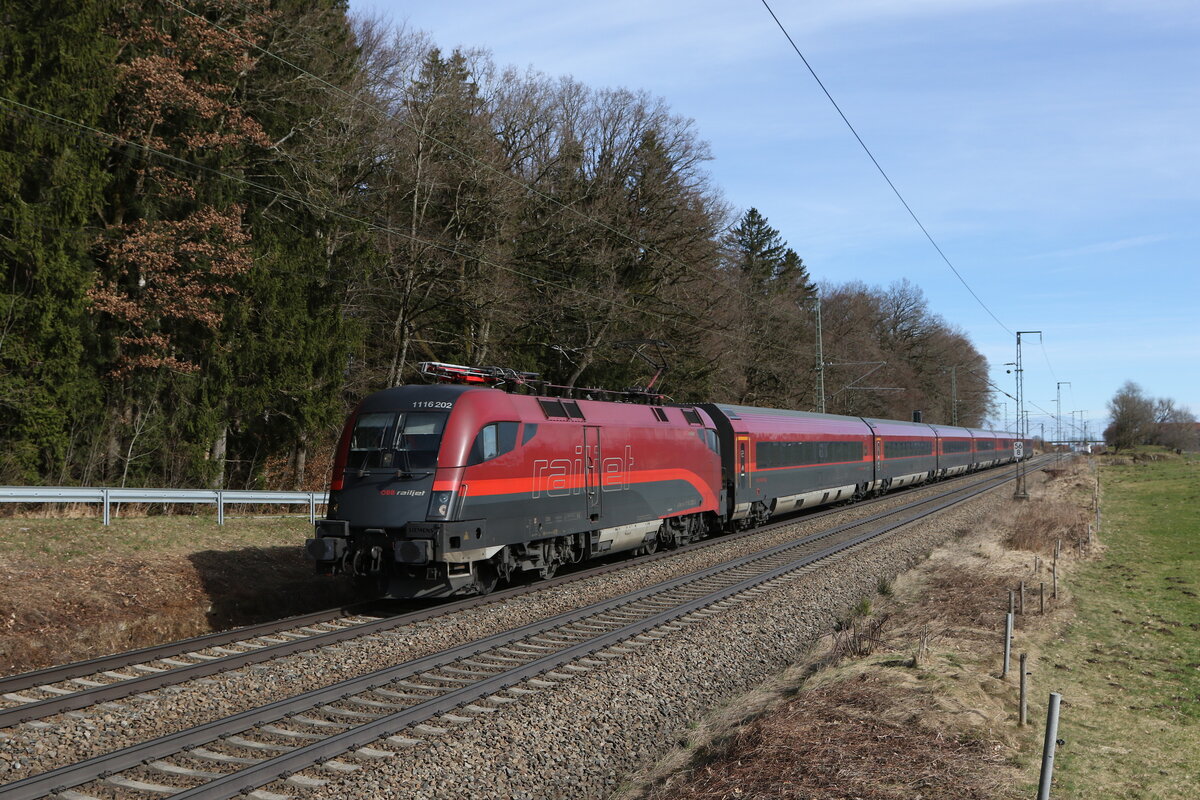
<point x="266" y="745"/>
<point x="68" y="687"/>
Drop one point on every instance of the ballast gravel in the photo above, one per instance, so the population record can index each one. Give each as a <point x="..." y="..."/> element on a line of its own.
<point x="575" y="740"/>
<point x="578" y="739"/>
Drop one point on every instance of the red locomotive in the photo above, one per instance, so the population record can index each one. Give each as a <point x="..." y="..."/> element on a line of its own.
<point x="449" y="488"/>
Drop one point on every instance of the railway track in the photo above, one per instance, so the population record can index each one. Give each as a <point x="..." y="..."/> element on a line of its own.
<point x="371" y="716"/>
<point x="42" y="693"/>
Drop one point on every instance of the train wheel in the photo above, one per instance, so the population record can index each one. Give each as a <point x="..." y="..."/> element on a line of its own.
<point x="668" y="537"/>
<point x="547" y="570"/>
<point x="486" y="577"/>
<point x="650" y="546"/>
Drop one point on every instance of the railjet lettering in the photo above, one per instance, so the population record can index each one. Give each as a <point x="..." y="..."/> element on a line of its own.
<point x="562" y="477"/>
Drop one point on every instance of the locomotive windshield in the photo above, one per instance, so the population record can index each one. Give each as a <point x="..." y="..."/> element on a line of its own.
<point x="390" y="440"/>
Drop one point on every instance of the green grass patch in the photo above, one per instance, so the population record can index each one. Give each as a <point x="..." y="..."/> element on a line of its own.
<point x="1129" y="665"/>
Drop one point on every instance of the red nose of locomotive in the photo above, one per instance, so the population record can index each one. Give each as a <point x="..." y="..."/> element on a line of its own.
<point x="382" y="486"/>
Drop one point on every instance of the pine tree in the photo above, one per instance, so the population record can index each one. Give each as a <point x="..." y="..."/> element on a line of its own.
<point x="793" y="279"/>
<point x="292" y="337"/>
<point x="56" y="58"/>
<point x="756" y="250"/>
<point x="773" y="301"/>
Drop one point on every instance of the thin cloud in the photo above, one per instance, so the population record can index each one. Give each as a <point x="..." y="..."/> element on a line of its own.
<point x="1101" y="247"/>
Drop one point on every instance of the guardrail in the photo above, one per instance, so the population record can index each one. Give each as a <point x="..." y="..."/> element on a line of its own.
<point x="219" y="498"/>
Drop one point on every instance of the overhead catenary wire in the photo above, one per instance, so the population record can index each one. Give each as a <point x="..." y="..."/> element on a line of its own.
<point x="870" y="155"/>
<point x="1046" y="355"/>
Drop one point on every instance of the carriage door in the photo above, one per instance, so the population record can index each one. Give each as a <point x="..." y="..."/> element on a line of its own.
<point x="743" y="465"/>
<point x="591" y="470"/>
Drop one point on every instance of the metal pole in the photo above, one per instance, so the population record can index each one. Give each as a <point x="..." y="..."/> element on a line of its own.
<point x="1048" y="747"/>
<point x="820" y="361"/>
<point x="1008" y="628"/>
<point x="1022" y="717"/>
<point x="1019" y="492"/>
<point x="954" y="395"/>
<point x="1058" y="420"/>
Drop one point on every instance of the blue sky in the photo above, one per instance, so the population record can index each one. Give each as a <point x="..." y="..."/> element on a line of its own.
<point x="1051" y="147"/>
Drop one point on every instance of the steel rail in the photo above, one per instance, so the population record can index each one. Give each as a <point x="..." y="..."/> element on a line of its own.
<point x="85" y="697"/>
<point x="76" y="669"/>
<point x="106" y="765"/>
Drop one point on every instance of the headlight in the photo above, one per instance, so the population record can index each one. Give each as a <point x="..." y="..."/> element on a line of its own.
<point x="439" y="504"/>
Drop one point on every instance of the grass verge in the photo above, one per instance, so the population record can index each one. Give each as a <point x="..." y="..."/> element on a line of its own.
<point x="1128" y="665"/>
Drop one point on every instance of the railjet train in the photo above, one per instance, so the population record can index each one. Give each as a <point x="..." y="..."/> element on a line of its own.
<point x="447" y="489"/>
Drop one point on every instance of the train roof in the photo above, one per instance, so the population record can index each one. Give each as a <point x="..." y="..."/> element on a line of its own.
<point x="387" y="399"/>
<point x="736" y="411"/>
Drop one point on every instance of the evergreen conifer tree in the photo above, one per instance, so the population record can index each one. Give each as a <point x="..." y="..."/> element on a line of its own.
<point x="56" y="58"/>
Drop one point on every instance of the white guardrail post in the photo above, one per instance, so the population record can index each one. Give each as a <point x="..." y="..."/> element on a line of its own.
<point x="106" y="497"/>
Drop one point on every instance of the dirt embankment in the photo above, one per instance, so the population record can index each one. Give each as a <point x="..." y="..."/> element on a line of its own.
<point x="906" y="699"/>
<point x="58" y="605"/>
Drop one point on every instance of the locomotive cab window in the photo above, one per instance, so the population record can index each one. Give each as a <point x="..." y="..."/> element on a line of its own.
<point x="390" y="440"/>
<point x="493" y="441"/>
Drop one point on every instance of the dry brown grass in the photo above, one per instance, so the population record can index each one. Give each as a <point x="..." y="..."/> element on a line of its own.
<point x="840" y="741"/>
<point x="858" y="638"/>
<point x="1041" y="523"/>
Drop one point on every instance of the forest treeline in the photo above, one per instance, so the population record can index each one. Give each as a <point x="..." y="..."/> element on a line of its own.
<point x="224" y="221"/>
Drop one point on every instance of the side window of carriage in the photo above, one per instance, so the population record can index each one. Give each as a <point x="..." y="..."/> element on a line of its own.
<point x="493" y="440"/>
